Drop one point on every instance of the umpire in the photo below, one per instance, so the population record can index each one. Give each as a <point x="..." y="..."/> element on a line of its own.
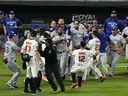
<point x="52" y="67"/>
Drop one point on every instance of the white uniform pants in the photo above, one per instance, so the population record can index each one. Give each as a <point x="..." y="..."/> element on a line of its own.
<point x="32" y="68"/>
<point x="63" y="62"/>
<point x="102" y="62"/>
<point x="126" y="51"/>
<point x="84" y="69"/>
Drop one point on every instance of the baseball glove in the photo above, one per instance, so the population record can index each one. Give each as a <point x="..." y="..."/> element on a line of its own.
<point x="26" y="57"/>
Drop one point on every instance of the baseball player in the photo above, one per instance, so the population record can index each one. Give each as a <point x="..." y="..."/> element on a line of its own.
<point x="53" y="26"/>
<point x="102" y="62"/>
<point x="76" y="35"/>
<point x="10" y="59"/>
<point x="94" y="45"/>
<point x="30" y="50"/>
<point x="81" y="27"/>
<point x="11" y="24"/>
<point x="111" y="22"/>
<point x="125" y="35"/>
<point x="116" y="45"/>
<point x="83" y="62"/>
<point x="61" y="45"/>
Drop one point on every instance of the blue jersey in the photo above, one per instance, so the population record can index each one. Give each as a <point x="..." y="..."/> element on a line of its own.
<point x="11" y="25"/>
<point x="109" y="24"/>
<point x="103" y="39"/>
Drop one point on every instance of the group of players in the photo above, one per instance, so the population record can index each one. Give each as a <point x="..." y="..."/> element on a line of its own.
<point x="74" y="49"/>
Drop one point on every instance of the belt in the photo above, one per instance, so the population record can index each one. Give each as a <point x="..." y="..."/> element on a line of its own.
<point x="60" y="52"/>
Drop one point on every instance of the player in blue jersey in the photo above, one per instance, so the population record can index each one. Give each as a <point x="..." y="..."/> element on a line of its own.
<point x="11" y="24"/>
<point x="102" y="54"/>
<point x="111" y="22"/>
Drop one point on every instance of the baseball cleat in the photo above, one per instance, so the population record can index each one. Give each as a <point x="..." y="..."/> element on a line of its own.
<point x="10" y="85"/>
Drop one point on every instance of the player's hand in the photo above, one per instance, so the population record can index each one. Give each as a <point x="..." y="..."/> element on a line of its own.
<point x="119" y="51"/>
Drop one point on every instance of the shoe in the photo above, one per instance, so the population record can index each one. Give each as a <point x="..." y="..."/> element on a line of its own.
<point x="74" y="85"/>
<point x="39" y="90"/>
<point x="77" y="87"/>
<point x="10" y="86"/>
<point x="54" y="91"/>
<point x="26" y="91"/>
<point x="63" y="90"/>
<point x="102" y="79"/>
<point x="33" y="93"/>
<point x="15" y="86"/>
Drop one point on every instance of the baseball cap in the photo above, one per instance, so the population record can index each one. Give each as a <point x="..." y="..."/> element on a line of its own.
<point x="114" y="12"/>
<point x="115" y="28"/>
<point x="11" y="12"/>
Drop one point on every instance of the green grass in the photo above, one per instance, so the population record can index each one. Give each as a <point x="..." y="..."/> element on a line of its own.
<point x="116" y="86"/>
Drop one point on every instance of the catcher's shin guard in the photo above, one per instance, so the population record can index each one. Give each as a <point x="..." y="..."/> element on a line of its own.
<point x="26" y="84"/>
<point x="79" y="80"/>
<point x="39" y="80"/>
<point x="33" y="85"/>
<point x="73" y="77"/>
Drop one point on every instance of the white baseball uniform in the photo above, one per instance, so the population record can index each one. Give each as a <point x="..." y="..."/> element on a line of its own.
<point x="94" y="45"/>
<point x="125" y="31"/>
<point x="10" y="55"/>
<point x="30" y="47"/>
<point x="83" y="62"/>
<point x="116" y="42"/>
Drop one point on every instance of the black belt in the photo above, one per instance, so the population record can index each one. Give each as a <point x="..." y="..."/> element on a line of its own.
<point x="60" y="52"/>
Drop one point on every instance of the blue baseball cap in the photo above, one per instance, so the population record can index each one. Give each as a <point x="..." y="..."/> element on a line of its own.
<point x="11" y="12"/>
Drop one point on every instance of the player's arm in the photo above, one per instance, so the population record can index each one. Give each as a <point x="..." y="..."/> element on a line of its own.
<point x="24" y="48"/>
<point x="97" y="48"/>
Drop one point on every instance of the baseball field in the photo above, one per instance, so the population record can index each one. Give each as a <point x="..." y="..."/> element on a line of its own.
<point x="115" y="86"/>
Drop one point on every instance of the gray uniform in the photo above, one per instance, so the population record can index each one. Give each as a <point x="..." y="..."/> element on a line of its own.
<point x="115" y="42"/>
<point x="62" y="55"/>
<point x="76" y="36"/>
<point x="10" y="55"/>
